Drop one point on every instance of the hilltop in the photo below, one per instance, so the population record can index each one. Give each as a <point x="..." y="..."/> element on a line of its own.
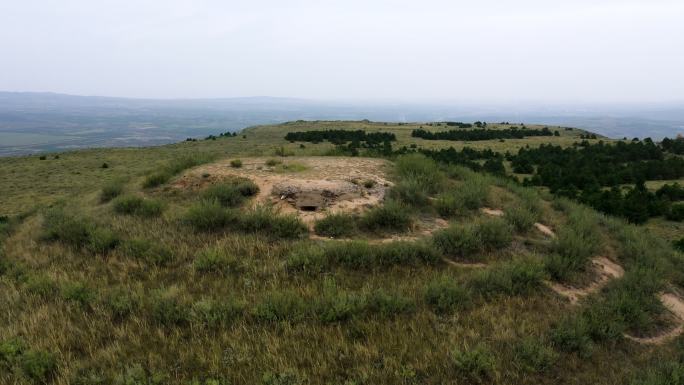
<point x="346" y="252"/>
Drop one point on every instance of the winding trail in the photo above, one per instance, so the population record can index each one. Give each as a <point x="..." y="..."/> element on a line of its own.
<point x="605" y="270"/>
<point x="546" y="230"/>
<point x="675" y="305"/>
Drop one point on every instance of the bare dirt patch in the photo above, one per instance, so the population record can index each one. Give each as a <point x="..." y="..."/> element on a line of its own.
<point x="311" y="187"/>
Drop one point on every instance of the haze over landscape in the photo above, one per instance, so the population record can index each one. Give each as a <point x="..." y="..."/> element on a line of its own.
<point x="341" y="192"/>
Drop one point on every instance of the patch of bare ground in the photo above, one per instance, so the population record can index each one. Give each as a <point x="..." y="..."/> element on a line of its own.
<point x="675" y="305"/>
<point x="546" y="230"/>
<point x="603" y="270"/>
<point x="309" y="187"/>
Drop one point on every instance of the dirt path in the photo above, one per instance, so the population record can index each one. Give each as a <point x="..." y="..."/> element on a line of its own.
<point x="604" y="269"/>
<point x="675" y="305"/>
<point x="546" y="230"/>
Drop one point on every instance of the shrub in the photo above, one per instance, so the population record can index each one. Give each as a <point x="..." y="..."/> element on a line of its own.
<point x="78" y="293"/>
<point x="405" y="253"/>
<point x="38" y="365"/>
<point x="121" y="303"/>
<point x="445" y="295"/>
<point x="285" y="378"/>
<point x="457" y="240"/>
<point x="226" y="194"/>
<point x="337" y="305"/>
<point x="388" y="304"/>
<point x="41" y="286"/>
<point x="77" y="232"/>
<point x="111" y="190"/>
<point x="574" y="245"/>
<point x="679" y="245"/>
<point x="10" y="352"/>
<point x="135" y="205"/>
<point x="336" y="225"/>
<point x="390" y="216"/>
<point x="534" y="356"/>
<point x="448" y="205"/>
<point x="215" y="260"/>
<point x="102" y="240"/>
<point x="307" y="259"/>
<point x="280" y="306"/>
<point x="410" y="192"/>
<point x="676" y="212"/>
<point x="246" y="187"/>
<point x="157" y="179"/>
<point x="571" y="334"/>
<point x="421" y="171"/>
<point x="104" y="165"/>
<point x="236" y="163"/>
<point x="476" y="363"/>
<point x="520" y="217"/>
<point x="273" y="162"/>
<point x="148" y="251"/>
<point x="264" y="219"/>
<point x="209" y="216"/>
<point x="494" y="233"/>
<point x="510" y="278"/>
<point x="210" y="313"/>
<point x="167" y="310"/>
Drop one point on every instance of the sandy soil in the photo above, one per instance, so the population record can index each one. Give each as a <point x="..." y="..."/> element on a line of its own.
<point x="325" y="185"/>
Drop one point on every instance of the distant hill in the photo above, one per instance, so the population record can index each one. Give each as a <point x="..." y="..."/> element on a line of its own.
<point x="37" y="122"/>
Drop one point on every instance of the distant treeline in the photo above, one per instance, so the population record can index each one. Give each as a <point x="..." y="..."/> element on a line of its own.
<point x="483" y="134"/>
<point x="341" y="136"/>
<point x="468" y="157"/>
<point x="675" y="146"/>
<point x="593" y="173"/>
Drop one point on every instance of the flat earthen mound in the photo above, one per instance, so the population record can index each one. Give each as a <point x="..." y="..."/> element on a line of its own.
<point x="307" y="186"/>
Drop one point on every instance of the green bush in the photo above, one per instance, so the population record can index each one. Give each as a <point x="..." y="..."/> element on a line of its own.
<point x="448" y="205"/>
<point x="226" y="194"/>
<point x="676" y="212"/>
<point x="664" y="373"/>
<point x="476" y="363"/>
<point x="236" y="163"/>
<point x="78" y="293"/>
<point x="391" y="216"/>
<point x="10" y="351"/>
<point x="111" y="190"/>
<point x="273" y="162"/>
<point x="281" y="306"/>
<point x="571" y="334"/>
<point x="445" y="295"/>
<point x="209" y="216"/>
<point x="216" y="260"/>
<point x="41" y="286"/>
<point x="421" y="171"/>
<point x="510" y="278"/>
<point x="361" y="255"/>
<point x="520" y="217"/>
<point x="121" y="303"/>
<point x="77" y="232"/>
<point x="574" y="245"/>
<point x="263" y="219"/>
<point x="336" y="225"/>
<point x="494" y="233"/>
<point x="307" y="259"/>
<point x="38" y="365"/>
<point x="410" y="192"/>
<point x="457" y="240"/>
<point x="532" y="355"/>
<point x="167" y="310"/>
<point x="212" y="314"/>
<point x="388" y="304"/>
<point x="157" y="179"/>
<point x="337" y="305"/>
<point x="150" y="252"/>
<point x="135" y="205"/>
<point x="174" y="167"/>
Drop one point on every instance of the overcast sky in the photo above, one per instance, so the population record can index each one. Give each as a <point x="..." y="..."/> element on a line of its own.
<point x="427" y="50"/>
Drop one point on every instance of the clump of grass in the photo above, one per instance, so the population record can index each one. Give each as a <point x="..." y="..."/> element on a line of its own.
<point x="520" y="217"/>
<point x="472" y="238"/>
<point x="212" y="314"/>
<point x="168" y="310"/>
<point x="264" y="220"/>
<point x="410" y="192"/>
<point x="387" y="304"/>
<point x="148" y="251"/>
<point x="510" y="278"/>
<point x="209" y="216"/>
<point x="574" y="245"/>
<point x="307" y="259"/>
<point x="136" y="205"/>
<point x="111" y="190"/>
<point x="216" y="260"/>
<point x="79" y="293"/>
<point x="41" y="285"/>
<point x="38" y="365"/>
<point x="336" y="225"/>
<point x="281" y="306"/>
<point x="290" y="167"/>
<point x="175" y="167"/>
<point x="445" y="295"/>
<point x="231" y="194"/>
<point x="337" y="305"/>
<point x="361" y="255"/>
<point x="532" y="355"/>
<point x="475" y="364"/>
<point x="121" y="303"/>
<point x="77" y="232"/>
<point x="273" y="162"/>
<point x="421" y="171"/>
<point x="236" y="163"/>
<point x="391" y="216"/>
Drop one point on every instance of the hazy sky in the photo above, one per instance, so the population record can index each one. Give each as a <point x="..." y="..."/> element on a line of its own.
<point x="484" y="50"/>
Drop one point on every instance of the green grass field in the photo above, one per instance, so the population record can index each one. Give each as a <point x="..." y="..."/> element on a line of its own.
<point x="106" y="281"/>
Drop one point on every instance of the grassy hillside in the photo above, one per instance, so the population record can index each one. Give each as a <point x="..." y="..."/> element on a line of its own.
<point x="169" y="266"/>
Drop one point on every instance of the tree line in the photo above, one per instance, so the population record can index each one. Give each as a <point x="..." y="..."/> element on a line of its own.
<point x="483" y="134"/>
<point x="339" y="137"/>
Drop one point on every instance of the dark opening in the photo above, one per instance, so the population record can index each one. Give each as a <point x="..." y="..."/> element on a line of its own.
<point x="308" y="208"/>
